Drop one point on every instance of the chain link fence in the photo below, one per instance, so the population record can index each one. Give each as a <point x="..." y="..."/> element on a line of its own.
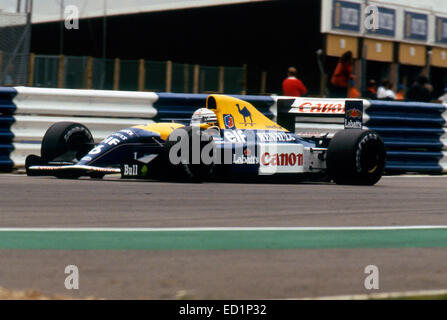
<point x="102" y="73"/>
<point x="155" y="76"/>
<point x="182" y="78"/>
<point x="46" y="70"/>
<point x="209" y="79"/>
<point x="15" y="37"/>
<point x="233" y="80"/>
<point x="132" y="75"/>
<point x="128" y="76"/>
<point x="75" y="72"/>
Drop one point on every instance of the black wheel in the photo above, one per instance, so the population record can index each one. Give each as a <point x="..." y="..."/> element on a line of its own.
<point x="66" y="141"/>
<point x="356" y="156"/>
<point x="32" y="160"/>
<point x="191" y="166"/>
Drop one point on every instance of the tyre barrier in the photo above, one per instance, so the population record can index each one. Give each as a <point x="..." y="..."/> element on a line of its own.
<point x="26" y="113"/>
<point x="414" y="132"/>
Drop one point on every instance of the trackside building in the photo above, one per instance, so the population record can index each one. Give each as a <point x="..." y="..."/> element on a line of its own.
<point x="263" y="37"/>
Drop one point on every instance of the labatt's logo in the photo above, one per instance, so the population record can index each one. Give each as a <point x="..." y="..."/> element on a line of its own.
<point x="246" y="158"/>
<point x="303" y="106"/>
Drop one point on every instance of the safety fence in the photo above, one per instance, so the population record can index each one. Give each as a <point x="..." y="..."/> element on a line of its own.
<point x="15" y="41"/>
<point x="81" y="72"/>
<point x="414" y="133"/>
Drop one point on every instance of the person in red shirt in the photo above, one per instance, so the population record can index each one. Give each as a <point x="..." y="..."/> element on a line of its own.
<point x="292" y="86"/>
<point x="341" y="76"/>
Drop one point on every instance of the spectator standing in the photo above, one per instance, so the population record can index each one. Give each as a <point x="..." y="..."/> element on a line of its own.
<point x="420" y="90"/>
<point x="371" y="90"/>
<point x="385" y="91"/>
<point x="292" y="86"/>
<point x="352" y="90"/>
<point x="341" y="76"/>
<point x="400" y="94"/>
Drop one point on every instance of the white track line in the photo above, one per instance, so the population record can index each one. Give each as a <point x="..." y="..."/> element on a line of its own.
<point x="416" y="176"/>
<point x="348" y="228"/>
<point x="385" y="295"/>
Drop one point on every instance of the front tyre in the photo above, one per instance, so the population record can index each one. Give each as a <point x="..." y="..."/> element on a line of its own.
<point x="32" y="160"/>
<point x="66" y="142"/>
<point x="356" y="157"/>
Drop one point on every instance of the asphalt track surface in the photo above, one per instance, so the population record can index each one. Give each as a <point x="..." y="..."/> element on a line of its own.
<point x="234" y="265"/>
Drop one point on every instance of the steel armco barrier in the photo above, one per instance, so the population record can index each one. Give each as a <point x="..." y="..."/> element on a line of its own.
<point x="7" y="109"/>
<point x="414" y="133"/>
<point x="102" y="111"/>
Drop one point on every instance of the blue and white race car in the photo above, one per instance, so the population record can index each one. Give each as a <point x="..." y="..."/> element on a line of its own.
<point x="228" y="139"/>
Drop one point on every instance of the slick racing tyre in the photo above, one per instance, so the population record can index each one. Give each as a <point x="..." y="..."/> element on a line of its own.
<point x="66" y="142"/>
<point x="190" y="165"/>
<point x="32" y="160"/>
<point x="356" y="157"/>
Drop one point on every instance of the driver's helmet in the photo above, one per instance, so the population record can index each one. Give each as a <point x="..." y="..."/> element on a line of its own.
<point x="203" y="116"/>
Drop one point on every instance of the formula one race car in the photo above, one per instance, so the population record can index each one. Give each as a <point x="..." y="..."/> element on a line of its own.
<point x="229" y="138"/>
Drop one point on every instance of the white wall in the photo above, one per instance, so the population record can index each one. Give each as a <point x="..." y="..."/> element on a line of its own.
<point x="50" y="10"/>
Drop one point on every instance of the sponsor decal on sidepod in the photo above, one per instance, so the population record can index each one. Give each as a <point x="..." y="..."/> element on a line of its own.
<point x="281" y="158"/>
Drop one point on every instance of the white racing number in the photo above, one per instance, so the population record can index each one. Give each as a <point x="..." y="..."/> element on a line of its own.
<point x="96" y="149"/>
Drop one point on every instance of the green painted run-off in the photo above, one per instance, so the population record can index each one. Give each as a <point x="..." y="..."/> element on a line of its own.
<point x="222" y="239"/>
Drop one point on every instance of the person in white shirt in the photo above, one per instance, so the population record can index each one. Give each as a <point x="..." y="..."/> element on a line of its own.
<point x="385" y="91"/>
<point x="443" y="98"/>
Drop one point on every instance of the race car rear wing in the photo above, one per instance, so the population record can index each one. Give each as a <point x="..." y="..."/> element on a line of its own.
<point x="320" y="115"/>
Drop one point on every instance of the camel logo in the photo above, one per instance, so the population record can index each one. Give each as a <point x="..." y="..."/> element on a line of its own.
<point x="229" y="121"/>
<point x="245" y="113"/>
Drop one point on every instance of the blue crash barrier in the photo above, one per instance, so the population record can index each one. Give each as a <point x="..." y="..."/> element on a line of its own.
<point x="7" y="109"/>
<point x="414" y="133"/>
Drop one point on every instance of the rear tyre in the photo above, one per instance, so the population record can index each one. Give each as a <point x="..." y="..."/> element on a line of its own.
<point x="66" y="141"/>
<point x="192" y="167"/>
<point x="356" y="157"/>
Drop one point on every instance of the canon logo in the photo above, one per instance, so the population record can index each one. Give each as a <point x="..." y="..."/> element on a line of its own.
<point x="320" y="107"/>
<point x="282" y="159"/>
